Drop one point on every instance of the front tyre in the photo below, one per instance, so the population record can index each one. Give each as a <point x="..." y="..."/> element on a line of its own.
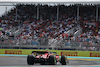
<point x="63" y="60"/>
<point x="30" y="60"/>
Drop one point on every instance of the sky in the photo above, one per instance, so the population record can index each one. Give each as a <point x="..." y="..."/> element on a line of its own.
<point x="3" y="8"/>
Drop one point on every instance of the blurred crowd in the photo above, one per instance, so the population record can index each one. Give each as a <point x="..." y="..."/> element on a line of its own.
<point x="46" y="26"/>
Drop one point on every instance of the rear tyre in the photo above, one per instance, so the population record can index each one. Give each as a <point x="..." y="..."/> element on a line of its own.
<point x="63" y="60"/>
<point x="52" y="60"/>
<point x="30" y="60"/>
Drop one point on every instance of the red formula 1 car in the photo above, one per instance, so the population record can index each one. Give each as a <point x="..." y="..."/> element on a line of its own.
<point x="45" y="57"/>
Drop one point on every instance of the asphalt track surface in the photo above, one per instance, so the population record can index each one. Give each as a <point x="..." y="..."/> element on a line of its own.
<point x="8" y="61"/>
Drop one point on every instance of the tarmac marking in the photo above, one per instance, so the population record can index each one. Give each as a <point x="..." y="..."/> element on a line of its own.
<point x="84" y="59"/>
<point x="68" y="58"/>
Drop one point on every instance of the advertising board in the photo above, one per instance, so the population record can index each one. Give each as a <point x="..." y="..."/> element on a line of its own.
<point x="59" y="52"/>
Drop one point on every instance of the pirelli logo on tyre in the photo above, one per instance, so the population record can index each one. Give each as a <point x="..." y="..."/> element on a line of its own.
<point x="69" y="53"/>
<point x="94" y="54"/>
<point x="13" y="52"/>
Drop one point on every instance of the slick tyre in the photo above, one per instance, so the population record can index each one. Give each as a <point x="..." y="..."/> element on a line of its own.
<point x="30" y="60"/>
<point x="51" y="60"/>
<point x="63" y="60"/>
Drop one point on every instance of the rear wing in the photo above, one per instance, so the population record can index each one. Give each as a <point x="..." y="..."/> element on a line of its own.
<point x="53" y="52"/>
<point x="39" y="52"/>
<point x="42" y="52"/>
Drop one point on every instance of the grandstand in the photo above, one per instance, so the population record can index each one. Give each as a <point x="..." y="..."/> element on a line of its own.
<point x="51" y="25"/>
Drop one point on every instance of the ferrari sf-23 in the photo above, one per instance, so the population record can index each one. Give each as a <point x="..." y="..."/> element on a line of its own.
<point x="45" y="57"/>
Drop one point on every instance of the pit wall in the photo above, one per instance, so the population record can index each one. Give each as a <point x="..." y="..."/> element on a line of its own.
<point x="59" y="52"/>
